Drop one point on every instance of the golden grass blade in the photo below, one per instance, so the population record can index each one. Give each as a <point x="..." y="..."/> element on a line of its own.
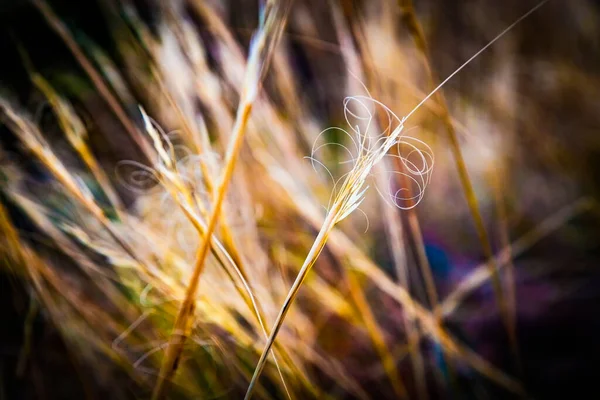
<point x="186" y="310"/>
<point x="233" y="271"/>
<point x="275" y="21"/>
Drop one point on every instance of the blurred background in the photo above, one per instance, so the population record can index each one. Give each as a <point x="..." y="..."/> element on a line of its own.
<point x="98" y="233"/>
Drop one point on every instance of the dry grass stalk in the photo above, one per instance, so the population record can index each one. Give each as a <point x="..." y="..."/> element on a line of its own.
<point x="275" y="16"/>
<point x="418" y="34"/>
<point x="349" y="196"/>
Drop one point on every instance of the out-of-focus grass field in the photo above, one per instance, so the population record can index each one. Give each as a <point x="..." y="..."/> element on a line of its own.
<point x="185" y="183"/>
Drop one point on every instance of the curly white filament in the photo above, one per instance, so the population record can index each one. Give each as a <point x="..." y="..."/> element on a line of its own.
<point x="413" y="158"/>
